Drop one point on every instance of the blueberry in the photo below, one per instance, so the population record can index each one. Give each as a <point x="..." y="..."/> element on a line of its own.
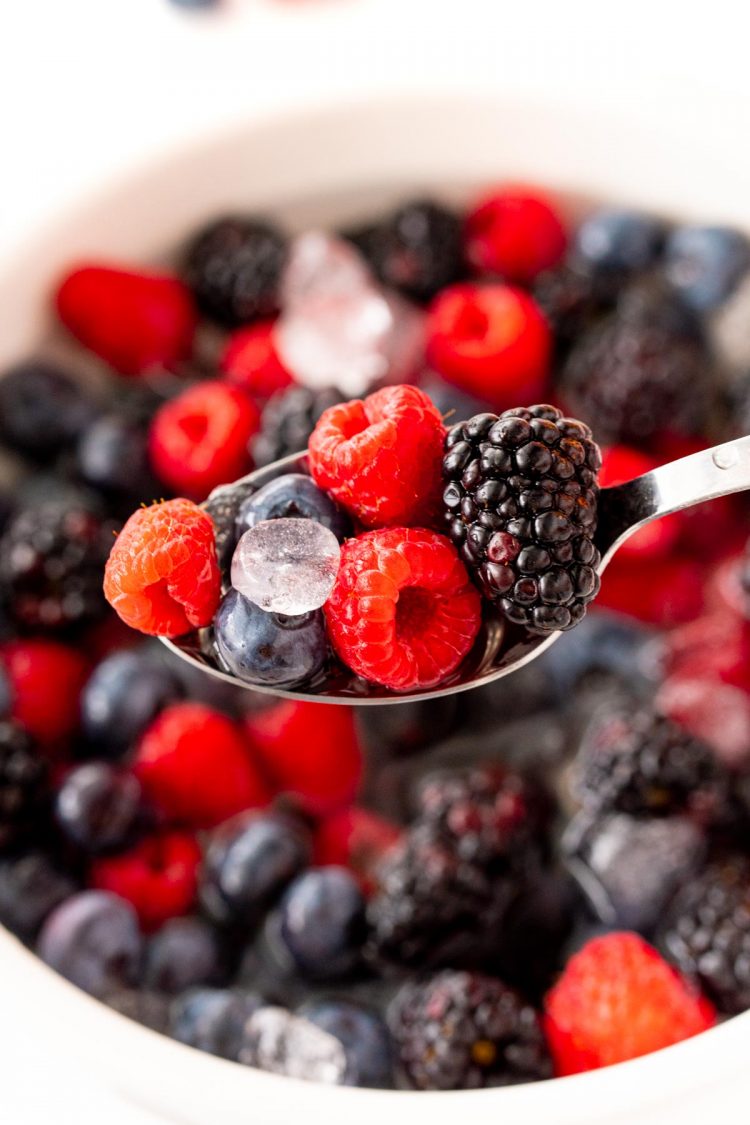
<point x="453" y="404"/>
<point x="705" y="263"/>
<point x="268" y="648"/>
<point x="42" y="409"/>
<point x="629" y="867"/>
<point x="99" y="808"/>
<point x="618" y="241"/>
<point x="112" y="455"/>
<point x="197" y="4"/>
<point x="213" y="1019"/>
<point x="93" y="940"/>
<point x="279" y="1042"/>
<point x="249" y="863"/>
<point x="363" y="1035"/>
<point x="186" y="952"/>
<point x="31" y="886"/>
<point x="289" y="496"/>
<point x="125" y="692"/>
<point x="604" y="644"/>
<point x="320" y="923"/>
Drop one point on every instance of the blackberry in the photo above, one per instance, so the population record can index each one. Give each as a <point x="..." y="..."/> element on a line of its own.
<point x="571" y="299"/>
<point x="288" y="419"/>
<point x="417" y="249"/>
<point x="51" y="562"/>
<point x="645" y="765"/>
<point x="233" y="267"/>
<point x="23" y="781"/>
<point x="640" y="371"/>
<point x="431" y="908"/>
<point x="42" y="409"/>
<point x="521" y="506"/>
<point x="459" y="1031"/>
<point x="707" y="932"/>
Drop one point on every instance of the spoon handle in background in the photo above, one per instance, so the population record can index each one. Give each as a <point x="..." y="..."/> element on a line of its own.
<point x="680" y="484"/>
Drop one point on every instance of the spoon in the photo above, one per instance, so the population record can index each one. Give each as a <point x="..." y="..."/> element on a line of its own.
<point x="500" y="648"/>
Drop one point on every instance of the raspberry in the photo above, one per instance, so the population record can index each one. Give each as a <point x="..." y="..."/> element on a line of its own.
<point x="46" y="680"/>
<point x="288" y="420"/>
<point x="714" y="712"/>
<point x="621" y="463"/>
<point x="459" y="1031"/>
<point x="645" y="765"/>
<point x="516" y="233"/>
<point x="403" y="612"/>
<point x="355" y="838"/>
<point x="51" y="560"/>
<point x="706" y="933"/>
<point x="23" y="778"/>
<point x="159" y="876"/>
<point x="233" y="267"/>
<point x="200" y="438"/>
<point x="663" y="592"/>
<point x="251" y="362"/>
<point x="380" y="458"/>
<point x="616" y="1000"/>
<point x="310" y="751"/>
<point x="162" y="576"/>
<point x="195" y="765"/>
<point x="521" y="505"/>
<point x="417" y="249"/>
<point x="135" y="321"/>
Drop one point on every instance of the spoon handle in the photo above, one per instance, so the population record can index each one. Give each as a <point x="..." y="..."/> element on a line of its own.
<point x="679" y="484"/>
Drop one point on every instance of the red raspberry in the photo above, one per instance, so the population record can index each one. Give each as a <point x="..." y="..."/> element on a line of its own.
<point x="162" y="576"/>
<point x="135" y="321"/>
<point x="309" y="750"/>
<point x="663" y="592"/>
<point x="251" y="362"/>
<point x="403" y="612"/>
<point x="46" y="679"/>
<point x="195" y="765"/>
<point x="159" y="876"/>
<point x="200" y="438"/>
<point x="716" y="646"/>
<point x="621" y="463"/>
<point x="618" y="999"/>
<point x="355" y="838"/>
<point x="491" y="341"/>
<point x="381" y="458"/>
<point x="515" y="232"/>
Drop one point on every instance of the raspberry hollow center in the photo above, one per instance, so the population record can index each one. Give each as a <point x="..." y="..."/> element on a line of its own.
<point x="414" y="611"/>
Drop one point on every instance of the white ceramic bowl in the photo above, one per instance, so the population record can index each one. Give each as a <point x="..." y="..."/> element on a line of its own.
<point x="329" y="166"/>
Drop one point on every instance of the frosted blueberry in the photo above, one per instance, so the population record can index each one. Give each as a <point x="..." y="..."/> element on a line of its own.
<point x="286" y="566"/>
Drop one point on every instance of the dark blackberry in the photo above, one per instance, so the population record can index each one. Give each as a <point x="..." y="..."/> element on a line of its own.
<point x="417" y="249"/>
<point x="571" y="299"/>
<point x="288" y="419"/>
<point x="51" y="562"/>
<point x="461" y="1031"/>
<point x="643" y="764"/>
<point x="521" y="506"/>
<point x="706" y="932"/>
<point x="432" y="908"/>
<point x="42" y="409"/>
<point x="23" y="782"/>
<point x="641" y="371"/>
<point x="233" y="267"/>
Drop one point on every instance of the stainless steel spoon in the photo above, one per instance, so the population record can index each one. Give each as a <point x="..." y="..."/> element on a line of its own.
<point x="501" y="649"/>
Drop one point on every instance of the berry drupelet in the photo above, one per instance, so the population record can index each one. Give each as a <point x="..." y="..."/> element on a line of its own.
<point x="521" y="506"/>
<point x="287" y="421"/>
<point x="23" y="782"/>
<point x="459" y="1031"/>
<point x="233" y="268"/>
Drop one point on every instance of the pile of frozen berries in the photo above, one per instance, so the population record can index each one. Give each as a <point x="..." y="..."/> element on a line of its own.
<point x="543" y="876"/>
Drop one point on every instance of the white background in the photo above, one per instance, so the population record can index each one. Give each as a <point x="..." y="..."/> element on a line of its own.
<point x="89" y="86"/>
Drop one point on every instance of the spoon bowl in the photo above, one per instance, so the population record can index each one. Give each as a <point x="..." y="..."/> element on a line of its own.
<point x="500" y="648"/>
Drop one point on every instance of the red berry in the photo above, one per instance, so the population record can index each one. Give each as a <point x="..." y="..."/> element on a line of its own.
<point x="309" y="750"/>
<point x="355" y="838"/>
<point x="618" y="999"/>
<point x="621" y="463"/>
<point x="515" y="232"/>
<point x="716" y="646"/>
<point x="46" y="679"/>
<point x="135" y="321"/>
<point x="381" y="458"/>
<point x="717" y="713"/>
<point x="661" y="592"/>
<point x="491" y="341"/>
<point x="403" y="612"/>
<point x="162" y="576"/>
<point x="195" y="765"/>
<point x="199" y="439"/>
<point x="159" y="876"/>
<point x="251" y="362"/>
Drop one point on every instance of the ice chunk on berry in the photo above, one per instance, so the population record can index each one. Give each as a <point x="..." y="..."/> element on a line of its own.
<point x="286" y="565"/>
